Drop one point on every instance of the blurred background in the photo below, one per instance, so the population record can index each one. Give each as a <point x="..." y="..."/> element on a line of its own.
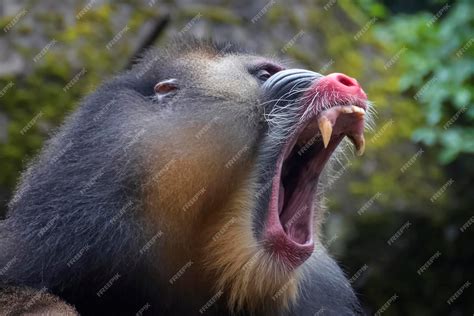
<point x="401" y="218"/>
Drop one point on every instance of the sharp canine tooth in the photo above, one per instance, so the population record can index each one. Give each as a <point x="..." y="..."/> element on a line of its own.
<point x="359" y="142"/>
<point x="325" y="127"/>
<point x="361" y="149"/>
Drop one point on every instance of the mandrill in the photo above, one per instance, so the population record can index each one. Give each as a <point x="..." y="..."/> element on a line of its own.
<point x="187" y="185"/>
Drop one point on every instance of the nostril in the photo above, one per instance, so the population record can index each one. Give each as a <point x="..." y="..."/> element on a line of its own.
<point x="347" y="81"/>
<point x="342" y="83"/>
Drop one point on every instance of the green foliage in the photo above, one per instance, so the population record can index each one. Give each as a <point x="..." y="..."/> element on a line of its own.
<point x="431" y="124"/>
<point x="39" y="99"/>
<point x="438" y="55"/>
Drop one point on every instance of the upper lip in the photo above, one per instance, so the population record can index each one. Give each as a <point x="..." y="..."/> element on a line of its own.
<point x="289" y="228"/>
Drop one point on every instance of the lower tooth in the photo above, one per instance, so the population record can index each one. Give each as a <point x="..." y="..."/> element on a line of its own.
<point x="361" y="149"/>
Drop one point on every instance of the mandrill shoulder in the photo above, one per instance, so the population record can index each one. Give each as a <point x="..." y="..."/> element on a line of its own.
<point x="324" y="289"/>
<point x="28" y="301"/>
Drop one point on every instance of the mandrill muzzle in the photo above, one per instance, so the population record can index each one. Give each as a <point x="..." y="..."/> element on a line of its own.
<point x="308" y="115"/>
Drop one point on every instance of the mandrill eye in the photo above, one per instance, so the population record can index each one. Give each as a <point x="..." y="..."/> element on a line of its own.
<point x="265" y="71"/>
<point x="263" y="75"/>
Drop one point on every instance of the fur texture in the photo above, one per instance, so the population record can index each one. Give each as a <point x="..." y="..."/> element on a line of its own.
<point x="139" y="201"/>
<point x="25" y="301"/>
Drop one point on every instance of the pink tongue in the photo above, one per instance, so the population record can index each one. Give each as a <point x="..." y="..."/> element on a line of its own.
<point x="281" y="198"/>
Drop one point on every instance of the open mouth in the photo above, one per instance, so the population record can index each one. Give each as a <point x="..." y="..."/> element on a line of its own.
<point x="289" y="228"/>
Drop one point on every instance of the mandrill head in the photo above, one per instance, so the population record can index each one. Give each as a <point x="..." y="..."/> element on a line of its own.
<point x="190" y="180"/>
<point x="241" y="143"/>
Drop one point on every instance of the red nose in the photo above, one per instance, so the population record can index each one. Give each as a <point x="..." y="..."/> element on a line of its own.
<point x="343" y="84"/>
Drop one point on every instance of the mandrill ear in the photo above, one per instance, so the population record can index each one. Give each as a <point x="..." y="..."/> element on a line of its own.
<point x="166" y="88"/>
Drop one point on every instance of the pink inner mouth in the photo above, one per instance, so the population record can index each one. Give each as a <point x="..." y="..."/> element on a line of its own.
<point x="289" y="227"/>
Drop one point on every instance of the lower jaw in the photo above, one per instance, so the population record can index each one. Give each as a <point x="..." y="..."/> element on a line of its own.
<point x="288" y="252"/>
<point x="277" y="241"/>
